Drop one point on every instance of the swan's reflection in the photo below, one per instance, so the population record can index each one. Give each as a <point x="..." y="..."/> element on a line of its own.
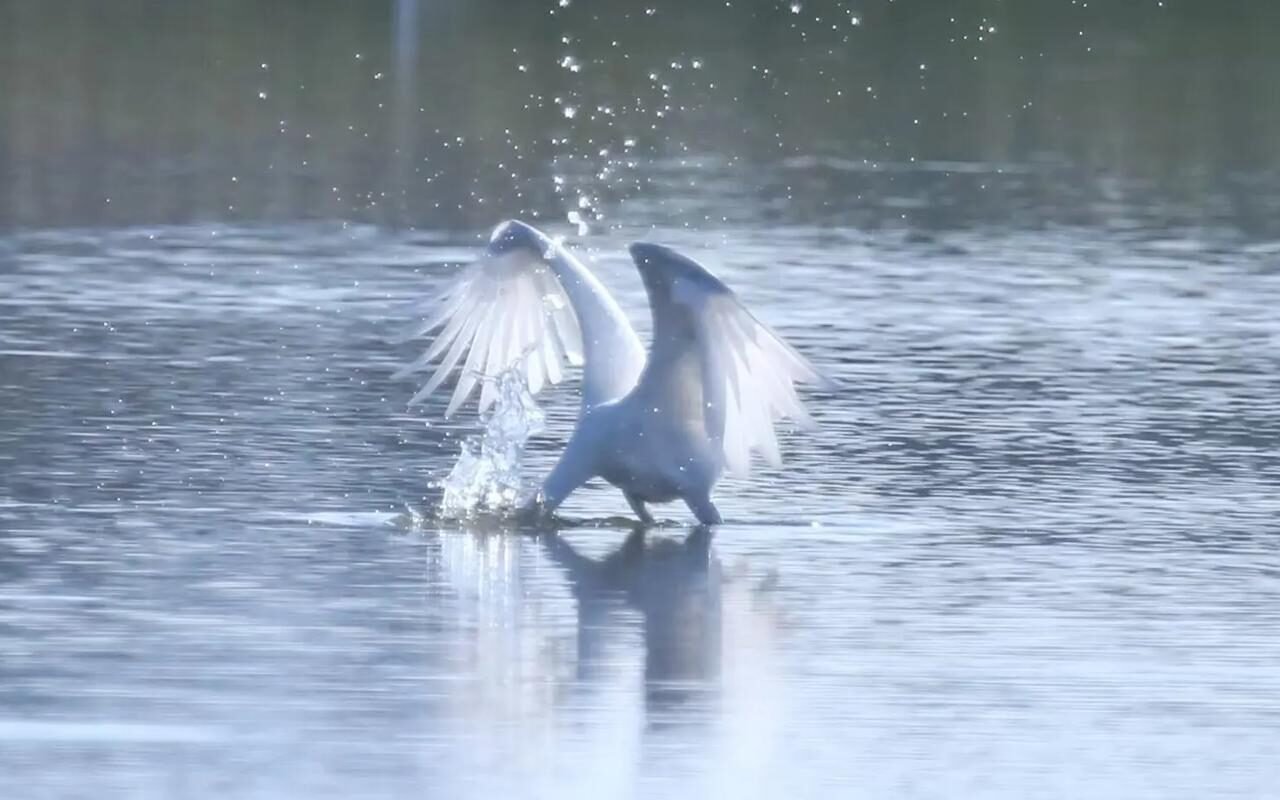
<point x="675" y="585"/>
<point x="505" y="609"/>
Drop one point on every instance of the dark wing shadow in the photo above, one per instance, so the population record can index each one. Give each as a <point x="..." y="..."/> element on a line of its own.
<point x="675" y="585"/>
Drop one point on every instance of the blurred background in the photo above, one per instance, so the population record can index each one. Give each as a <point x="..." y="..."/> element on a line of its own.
<point x="1029" y="550"/>
<point x="438" y="113"/>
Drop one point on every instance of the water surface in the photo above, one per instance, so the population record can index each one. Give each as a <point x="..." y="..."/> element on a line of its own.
<point x="1030" y="545"/>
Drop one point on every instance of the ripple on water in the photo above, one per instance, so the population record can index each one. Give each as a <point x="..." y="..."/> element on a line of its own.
<point x="1028" y="549"/>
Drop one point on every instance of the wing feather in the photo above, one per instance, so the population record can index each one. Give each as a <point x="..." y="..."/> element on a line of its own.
<point x="446" y="338"/>
<point x="496" y="359"/>
<point x="536" y="367"/>
<point x="503" y="311"/>
<point x="552" y="355"/>
<point x="750" y="376"/>
<point x="763" y="346"/>
<point x="567" y="331"/>
<point x="451" y="359"/>
<point x="471" y="369"/>
<point x="442" y="309"/>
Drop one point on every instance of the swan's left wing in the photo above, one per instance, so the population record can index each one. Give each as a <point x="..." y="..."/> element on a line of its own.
<point x="749" y="374"/>
<point x="504" y="310"/>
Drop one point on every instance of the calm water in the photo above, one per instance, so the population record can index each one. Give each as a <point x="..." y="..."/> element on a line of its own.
<point x="1029" y="552"/>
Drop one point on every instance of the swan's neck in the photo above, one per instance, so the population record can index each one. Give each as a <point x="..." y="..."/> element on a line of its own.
<point x="613" y="356"/>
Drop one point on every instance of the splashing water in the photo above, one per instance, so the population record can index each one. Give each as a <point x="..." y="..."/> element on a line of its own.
<point x="486" y="476"/>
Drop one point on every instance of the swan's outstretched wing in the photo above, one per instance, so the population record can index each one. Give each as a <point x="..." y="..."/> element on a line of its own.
<point x="526" y="303"/>
<point x="748" y="373"/>
<point x="503" y="309"/>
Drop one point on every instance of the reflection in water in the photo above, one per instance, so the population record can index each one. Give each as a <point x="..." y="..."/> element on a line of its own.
<point x="649" y="659"/>
<point x="676" y="588"/>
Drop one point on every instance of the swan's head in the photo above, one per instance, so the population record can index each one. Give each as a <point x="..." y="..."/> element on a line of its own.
<point x="669" y="276"/>
<point x="514" y="235"/>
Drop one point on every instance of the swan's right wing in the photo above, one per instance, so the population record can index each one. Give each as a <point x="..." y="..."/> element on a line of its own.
<point x="505" y="310"/>
<point x="747" y="374"/>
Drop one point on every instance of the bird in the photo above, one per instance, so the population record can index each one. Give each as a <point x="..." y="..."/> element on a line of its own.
<point x="661" y="425"/>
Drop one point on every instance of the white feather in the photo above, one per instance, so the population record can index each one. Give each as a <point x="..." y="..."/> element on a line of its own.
<point x="500" y="312"/>
<point x="521" y="310"/>
<point x="751" y="374"/>
<point x="748" y="372"/>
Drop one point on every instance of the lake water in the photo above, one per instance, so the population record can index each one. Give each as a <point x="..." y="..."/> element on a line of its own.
<point x="1030" y="545"/>
<point x="1029" y="551"/>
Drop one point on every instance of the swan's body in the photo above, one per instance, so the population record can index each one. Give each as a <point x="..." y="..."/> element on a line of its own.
<point x="660" y="427"/>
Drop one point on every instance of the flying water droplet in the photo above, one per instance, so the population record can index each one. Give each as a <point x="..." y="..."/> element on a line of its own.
<point x="486" y="476"/>
<point x="576" y="218"/>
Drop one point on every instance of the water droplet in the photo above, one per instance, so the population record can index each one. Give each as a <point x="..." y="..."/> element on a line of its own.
<point x="577" y="219"/>
<point x="795" y="8"/>
<point x="487" y="473"/>
<point x="570" y="112"/>
<point x="262" y="95"/>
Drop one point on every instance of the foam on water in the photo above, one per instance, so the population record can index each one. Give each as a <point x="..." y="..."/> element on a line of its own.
<point x="486" y="476"/>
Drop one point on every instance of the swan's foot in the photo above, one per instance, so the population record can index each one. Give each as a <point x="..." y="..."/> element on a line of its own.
<point x="532" y="510"/>
<point x="638" y="506"/>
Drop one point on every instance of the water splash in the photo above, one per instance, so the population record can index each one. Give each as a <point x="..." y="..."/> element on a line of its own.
<point x="486" y="476"/>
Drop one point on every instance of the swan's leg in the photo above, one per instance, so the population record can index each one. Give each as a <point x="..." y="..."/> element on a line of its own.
<point x="637" y="505"/>
<point x="571" y="471"/>
<point x="702" y="507"/>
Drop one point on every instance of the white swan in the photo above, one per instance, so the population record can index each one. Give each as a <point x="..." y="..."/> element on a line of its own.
<point x="659" y="428"/>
